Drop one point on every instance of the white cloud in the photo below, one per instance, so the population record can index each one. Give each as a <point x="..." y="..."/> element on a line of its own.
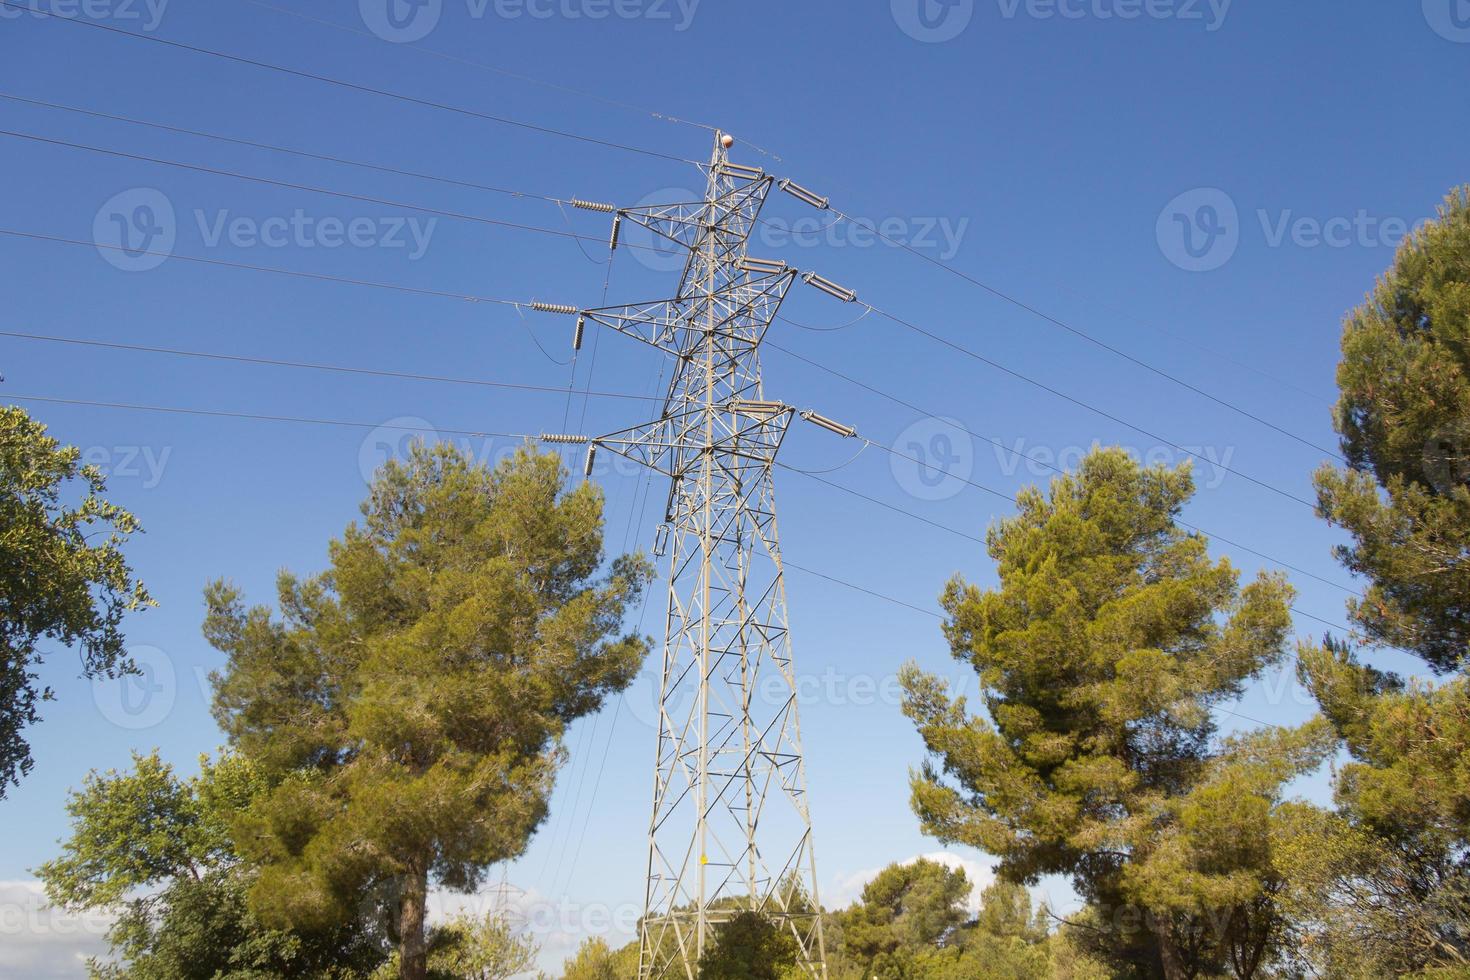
<point x="40" y="942"/>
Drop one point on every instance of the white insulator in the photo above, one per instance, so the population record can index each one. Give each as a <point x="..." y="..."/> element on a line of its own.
<point x="661" y="540"/>
<point x="802" y="194"/>
<point x="770" y="266"/>
<point x="577" y="334"/>
<point x="612" y="243"/>
<point x="553" y="307"/>
<point x="846" y="431"/>
<point x="563" y="438"/>
<point x="591" y="455"/>
<point x="592" y="205"/>
<point x="742" y="171"/>
<point x="756" y="408"/>
<point x="829" y="287"/>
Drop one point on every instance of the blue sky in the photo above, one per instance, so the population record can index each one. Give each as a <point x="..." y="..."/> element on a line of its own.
<point x="1205" y="186"/>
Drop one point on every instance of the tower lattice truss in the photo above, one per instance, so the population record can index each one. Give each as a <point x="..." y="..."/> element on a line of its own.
<point x="731" y="828"/>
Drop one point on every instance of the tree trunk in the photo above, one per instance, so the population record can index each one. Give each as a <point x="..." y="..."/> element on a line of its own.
<point x="1168" y="950"/>
<point x="413" y="950"/>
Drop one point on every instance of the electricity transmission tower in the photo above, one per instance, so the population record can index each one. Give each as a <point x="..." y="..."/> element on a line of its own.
<point x="731" y="828"/>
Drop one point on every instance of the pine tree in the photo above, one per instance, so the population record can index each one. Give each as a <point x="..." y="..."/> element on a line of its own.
<point x="408" y="707"/>
<point x="1100" y="655"/>
<point x="1385" y="883"/>
<point x="1404" y="419"/>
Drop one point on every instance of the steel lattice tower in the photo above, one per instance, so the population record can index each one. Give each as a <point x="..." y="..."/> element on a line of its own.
<point x="731" y="828"/>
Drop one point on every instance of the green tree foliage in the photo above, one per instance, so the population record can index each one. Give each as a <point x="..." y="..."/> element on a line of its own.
<point x="154" y="850"/>
<point x="1110" y="638"/>
<point x="485" y="948"/>
<point x="1366" y="906"/>
<point x="62" y="574"/>
<point x="749" y="946"/>
<point x="1384" y="886"/>
<point x="596" y="960"/>
<point x="470" y="948"/>
<point x="408" y="706"/>
<point x="906" y="909"/>
<point x="913" y="922"/>
<point x="1404" y="418"/>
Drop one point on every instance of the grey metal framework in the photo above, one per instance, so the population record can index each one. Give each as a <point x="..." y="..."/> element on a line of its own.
<point x="731" y="827"/>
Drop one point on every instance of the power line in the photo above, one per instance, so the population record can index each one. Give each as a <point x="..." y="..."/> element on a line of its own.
<point x="637" y="511"/>
<point x="566" y="234"/>
<point x="838" y="374"/>
<point x="274" y="148"/>
<point x="964" y="534"/>
<point x="442" y="379"/>
<point x="225" y="263"/>
<point x="480" y="432"/>
<point x="353" y="86"/>
<point x="1034" y="459"/>
<point x="881" y="503"/>
<point x="300" y="420"/>
<point x="563" y="234"/>
<point x="1084" y="335"/>
<point x="840" y="214"/>
<point x="865" y="591"/>
<point x="976" y="355"/>
<point x="311" y="366"/>
<point x="485" y="66"/>
<point x="213" y="171"/>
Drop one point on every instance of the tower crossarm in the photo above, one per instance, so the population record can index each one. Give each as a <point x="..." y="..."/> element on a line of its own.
<point x="673" y="445"/>
<point x="685" y="223"/>
<point x="741" y="311"/>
